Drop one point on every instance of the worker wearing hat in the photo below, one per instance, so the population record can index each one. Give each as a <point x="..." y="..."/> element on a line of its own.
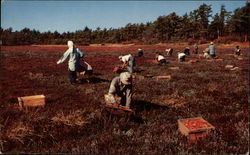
<point x="128" y="61"/>
<point x="212" y="50"/>
<point x="74" y="55"/>
<point x="122" y="87"/>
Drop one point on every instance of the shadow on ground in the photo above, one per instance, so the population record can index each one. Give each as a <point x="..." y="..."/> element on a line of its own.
<point x="92" y="80"/>
<point x="140" y="105"/>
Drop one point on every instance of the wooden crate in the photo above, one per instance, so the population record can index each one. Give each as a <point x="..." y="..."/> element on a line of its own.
<point x="229" y="66"/>
<point x="163" y="77"/>
<point x="116" y="105"/>
<point x="31" y="101"/>
<point x="195" y="128"/>
<point x="174" y="68"/>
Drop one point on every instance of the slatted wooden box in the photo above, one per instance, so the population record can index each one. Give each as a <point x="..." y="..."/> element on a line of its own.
<point x="31" y="101"/>
<point x="116" y="105"/>
<point x="195" y="128"/>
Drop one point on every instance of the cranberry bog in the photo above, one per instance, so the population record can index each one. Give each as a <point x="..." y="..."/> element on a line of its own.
<point x="74" y="119"/>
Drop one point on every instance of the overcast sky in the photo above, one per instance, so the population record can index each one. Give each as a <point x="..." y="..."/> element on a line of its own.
<point x="63" y="16"/>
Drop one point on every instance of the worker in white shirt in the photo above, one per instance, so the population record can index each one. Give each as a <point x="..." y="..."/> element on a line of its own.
<point x="74" y="55"/>
<point x="128" y="61"/>
<point x="160" y="58"/>
<point x="181" y="56"/>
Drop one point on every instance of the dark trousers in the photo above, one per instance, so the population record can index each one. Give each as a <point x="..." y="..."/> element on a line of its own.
<point x="195" y="51"/>
<point x="162" y="61"/>
<point x="72" y="77"/>
<point x="182" y="59"/>
<point x="213" y="56"/>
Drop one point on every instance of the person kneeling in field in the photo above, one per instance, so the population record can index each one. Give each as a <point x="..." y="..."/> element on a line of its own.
<point x="74" y="55"/>
<point x="160" y="59"/>
<point x="121" y="86"/>
<point x="181" y="56"/>
<point x="128" y="61"/>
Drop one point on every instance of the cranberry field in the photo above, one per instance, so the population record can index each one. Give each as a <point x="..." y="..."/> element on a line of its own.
<point x="74" y="119"/>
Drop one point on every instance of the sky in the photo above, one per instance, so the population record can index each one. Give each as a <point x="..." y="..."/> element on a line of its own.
<point x="69" y="16"/>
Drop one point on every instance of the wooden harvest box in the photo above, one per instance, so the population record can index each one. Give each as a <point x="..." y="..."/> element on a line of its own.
<point x="195" y="128"/>
<point x="116" y="105"/>
<point x="229" y="66"/>
<point x="163" y="77"/>
<point x="31" y="101"/>
<point x="174" y="68"/>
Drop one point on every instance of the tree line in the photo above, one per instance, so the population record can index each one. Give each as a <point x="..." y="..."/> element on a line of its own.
<point x="192" y="27"/>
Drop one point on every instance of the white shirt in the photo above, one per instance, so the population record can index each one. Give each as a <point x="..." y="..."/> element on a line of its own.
<point x="181" y="55"/>
<point x="126" y="58"/>
<point x="168" y="50"/>
<point x="160" y="57"/>
<point x="74" y="55"/>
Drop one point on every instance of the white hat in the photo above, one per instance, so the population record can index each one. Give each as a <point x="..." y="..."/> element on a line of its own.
<point x="70" y="44"/>
<point x="126" y="78"/>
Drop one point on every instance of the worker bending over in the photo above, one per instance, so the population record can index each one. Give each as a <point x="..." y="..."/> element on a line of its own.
<point x="128" y="61"/>
<point x="122" y="87"/>
<point x="181" y="56"/>
<point x="160" y="58"/>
